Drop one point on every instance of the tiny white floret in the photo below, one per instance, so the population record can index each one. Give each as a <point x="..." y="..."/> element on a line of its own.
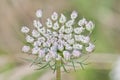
<point x="35" y="50"/>
<point x="25" y="48"/>
<point x="76" y="53"/>
<point x="35" y="33"/>
<point x="25" y="29"/>
<point x="62" y="19"/>
<point x="90" y="26"/>
<point x="66" y="55"/>
<point x="74" y="15"/>
<point x="29" y="39"/>
<point x="54" y="16"/>
<point x="39" y="13"/>
<point x="37" y="24"/>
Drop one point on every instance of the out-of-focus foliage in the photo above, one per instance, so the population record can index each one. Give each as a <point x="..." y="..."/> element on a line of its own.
<point x="91" y="74"/>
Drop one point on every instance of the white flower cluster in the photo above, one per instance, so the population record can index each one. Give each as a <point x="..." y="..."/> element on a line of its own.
<point x="59" y="38"/>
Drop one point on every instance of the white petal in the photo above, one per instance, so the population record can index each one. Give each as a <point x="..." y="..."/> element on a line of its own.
<point x="69" y="30"/>
<point x="49" y="23"/>
<point x="60" y="47"/>
<point x="55" y="34"/>
<point x="48" y="57"/>
<point x="39" y="13"/>
<point x="62" y="19"/>
<point x="68" y="47"/>
<point x="66" y="55"/>
<point x="67" y="36"/>
<point x="74" y="15"/>
<point x="42" y="30"/>
<point x="82" y="22"/>
<point x="78" y="30"/>
<point x="49" y="31"/>
<point x="37" y="43"/>
<point x="54" y="16"/>
<point x="90" y="26"/>
<point x="53" y="48"/>
<point x="77" y="46"/>
<point x="56" y="26"/>
<point x="37" y="24"/>
<point x="35" y="33"/>
<point x="60" y="36"/>
<point x="41" y="39"/>
<point x="41" y="53"/>
<point x="71" y="41"/>
<point x="35" y="50"/>
<point x="78" y="37"/>
<point x="90" y="48"/>
<point x="76" y="53"/>
<point x="29" y="39"/>
<point x="85" y="39"/>
<point x="62" y="29"/>
<point x="69" y="23"/>
<point x="25" y="48"/>
<point x="25" y="29"/>
<point x="44" y="44"/>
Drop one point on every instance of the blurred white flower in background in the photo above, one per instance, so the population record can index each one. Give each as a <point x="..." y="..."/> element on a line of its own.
<point x="115" y="73"/>
<point x="59" y="38"/>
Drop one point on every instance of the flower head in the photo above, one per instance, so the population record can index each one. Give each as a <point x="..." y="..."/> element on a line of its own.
<point x="60" y="38"/>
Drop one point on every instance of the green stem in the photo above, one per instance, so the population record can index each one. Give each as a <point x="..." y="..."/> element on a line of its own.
<point x="58" y="70"/>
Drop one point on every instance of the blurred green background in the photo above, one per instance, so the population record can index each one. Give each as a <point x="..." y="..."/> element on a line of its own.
<point x="16" y="13"/>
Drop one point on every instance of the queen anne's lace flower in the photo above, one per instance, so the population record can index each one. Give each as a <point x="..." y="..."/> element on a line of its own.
<point x="59" y="38"/>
